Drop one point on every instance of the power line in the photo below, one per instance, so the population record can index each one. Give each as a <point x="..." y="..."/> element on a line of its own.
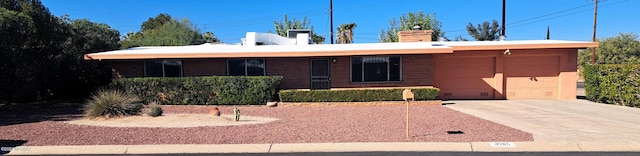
<point x="584" y="10"/>
<point x="533" y="18"/>
<point x="456" y="8"/>
<point x="515" y="24"/>
<point x="253" y="23"/>
<point x="553" y="13"/>
<point x="544" y="19"/>
<point x="265" y="19"/>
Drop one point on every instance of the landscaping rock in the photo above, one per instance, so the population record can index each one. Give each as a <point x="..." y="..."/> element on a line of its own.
<point x="272" y="104"/>
<point x="215" y="111"/>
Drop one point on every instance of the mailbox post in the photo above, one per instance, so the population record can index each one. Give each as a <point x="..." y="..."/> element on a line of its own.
<point x="407" y="96"/>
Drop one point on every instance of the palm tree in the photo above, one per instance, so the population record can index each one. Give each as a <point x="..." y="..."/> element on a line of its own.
<point x="345" y="33"/>
<point x="485" y="31"/>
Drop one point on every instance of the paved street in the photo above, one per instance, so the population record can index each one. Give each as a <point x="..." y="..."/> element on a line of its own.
<point x="417" y="154"/>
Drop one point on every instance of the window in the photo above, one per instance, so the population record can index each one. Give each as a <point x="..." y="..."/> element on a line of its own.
<point x="163" y="68"/>
<point x="375" y="69"/>
<point x="246" y="67"/>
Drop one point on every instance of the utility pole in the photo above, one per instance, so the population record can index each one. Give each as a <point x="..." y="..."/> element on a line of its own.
<point x="595" y="17"/>
<point x="331" y="17"/>
<point x="503" y="18"/>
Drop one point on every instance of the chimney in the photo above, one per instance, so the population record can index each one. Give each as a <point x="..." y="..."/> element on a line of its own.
<point x="415" y="35"/>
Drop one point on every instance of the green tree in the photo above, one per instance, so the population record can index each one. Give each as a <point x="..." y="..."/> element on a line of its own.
<point x="209" y="37"/>
<point x="85" y="37"/>
<point x="31" y="37"/>
<point x="15" y="29"/>
<point x="408" y="21"/>
<point x="164" y="31"/>
<point x="283" y="26"/>
<point x="548" y="33"/>
<point x="621" y="49"/>
<point x="485" y="31"/>
<point x="156" y="22"/>
<point x="41" y="54"/>
<point x="460" y="38"/>
<point x="345" y="33"/>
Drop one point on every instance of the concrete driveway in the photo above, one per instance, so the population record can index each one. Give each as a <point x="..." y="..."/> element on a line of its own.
<point x="559" y="120"/>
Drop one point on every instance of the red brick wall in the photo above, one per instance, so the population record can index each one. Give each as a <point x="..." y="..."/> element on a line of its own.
<point x="417" y="70"/>
<point x="294" y="72"/>
<point x="127" y="68"/>
<point x="204" y="67"/>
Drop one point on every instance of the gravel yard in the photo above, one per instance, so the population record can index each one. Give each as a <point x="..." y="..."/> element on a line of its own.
<point x="47" y="126"/>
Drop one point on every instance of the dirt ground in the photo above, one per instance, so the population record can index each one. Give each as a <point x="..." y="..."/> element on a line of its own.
<point x="49" y="125"/>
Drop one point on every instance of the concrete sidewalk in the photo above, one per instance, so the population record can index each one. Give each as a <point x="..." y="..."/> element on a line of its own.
<point x="333" y="147"/>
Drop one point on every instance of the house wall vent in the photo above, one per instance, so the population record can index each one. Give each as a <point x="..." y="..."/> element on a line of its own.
<point x="484" y="94"/>
<point x="447" y="94"/>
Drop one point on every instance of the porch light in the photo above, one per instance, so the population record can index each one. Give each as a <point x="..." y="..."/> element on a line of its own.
<point x="507" y="52"/>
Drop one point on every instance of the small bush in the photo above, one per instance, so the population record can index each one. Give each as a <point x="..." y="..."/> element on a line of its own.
<point x="356" y="95"/>
<point x="154" y="110"/>
<point x="112" y="103"/>
<point x="204" y="90"/>
<point x="613" y="84"/>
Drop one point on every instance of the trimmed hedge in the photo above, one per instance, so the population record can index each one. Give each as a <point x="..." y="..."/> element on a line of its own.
<point x="356" y="95"/>
<point x="613" y="84"/>
<point x="206" y="90"/>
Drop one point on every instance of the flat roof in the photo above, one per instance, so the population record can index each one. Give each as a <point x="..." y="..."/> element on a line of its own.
<point x="318" y="50"/>
<point x="522" y="44"/>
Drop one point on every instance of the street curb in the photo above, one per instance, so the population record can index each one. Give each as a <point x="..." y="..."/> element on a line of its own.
<point x="334" y="147"/>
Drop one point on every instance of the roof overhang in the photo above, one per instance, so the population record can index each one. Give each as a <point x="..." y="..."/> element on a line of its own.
<point x="530" y="44"/>
<point x="234" y="51"/>
<point x="328" y="50"/>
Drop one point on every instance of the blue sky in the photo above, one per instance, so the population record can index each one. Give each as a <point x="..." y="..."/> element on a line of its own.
<point x="229" y="20"/>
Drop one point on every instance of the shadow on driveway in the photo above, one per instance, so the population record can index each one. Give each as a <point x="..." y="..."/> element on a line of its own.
<point x="6" y="144"/>
<point x="37" y="112"/>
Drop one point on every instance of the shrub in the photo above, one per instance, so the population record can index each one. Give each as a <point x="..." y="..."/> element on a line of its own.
<point x="205" y="90"/>
<point x="112" y="103"/>
<point x="356" y="95"/>
<point x="613" y="84"/>
<point x="154" y="110"/>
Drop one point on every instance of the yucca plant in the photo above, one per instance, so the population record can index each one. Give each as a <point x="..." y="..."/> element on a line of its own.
<point x="154" y="110"/>
<point x="112" y="103"/>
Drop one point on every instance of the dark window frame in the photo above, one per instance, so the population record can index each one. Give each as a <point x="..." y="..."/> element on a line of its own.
<point x="246" y="68"/>
<point x="363" y="71"/>
<point x="163" y="63"/>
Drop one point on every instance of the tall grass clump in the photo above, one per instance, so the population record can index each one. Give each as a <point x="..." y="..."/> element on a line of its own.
<point x="154" y="110"/>
<point x="112" y="103"/>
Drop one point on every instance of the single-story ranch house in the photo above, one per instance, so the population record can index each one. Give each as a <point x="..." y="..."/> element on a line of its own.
<point x="531" y="69"/>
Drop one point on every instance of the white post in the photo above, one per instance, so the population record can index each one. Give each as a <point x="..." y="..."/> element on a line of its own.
<point x="407" y="135"/>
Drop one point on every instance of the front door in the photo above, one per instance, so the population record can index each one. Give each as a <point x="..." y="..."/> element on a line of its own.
<point x="320" y="75"/>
